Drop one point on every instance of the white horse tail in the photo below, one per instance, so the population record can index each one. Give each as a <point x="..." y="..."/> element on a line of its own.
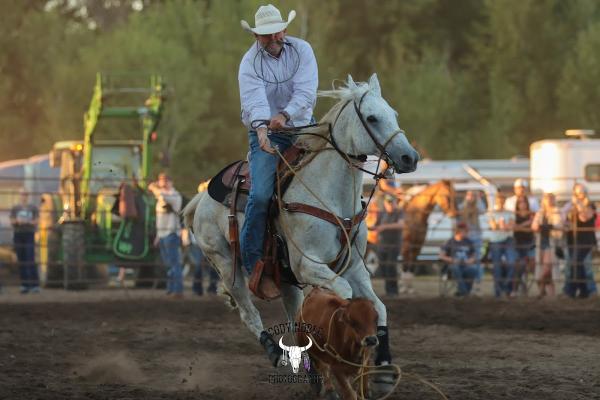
<point x="189" y="210"/>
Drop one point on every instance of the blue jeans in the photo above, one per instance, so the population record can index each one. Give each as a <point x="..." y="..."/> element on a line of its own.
<point x="464" y="276"/>
<point x="24" y="245"/>
<point x="197" y="258"/>
<point x="503" y="272"/>
<point x="170" y="253"/>
<point x="263" y="167"/>
<point x="477" y="244"/>
<point x="579" y="273"/>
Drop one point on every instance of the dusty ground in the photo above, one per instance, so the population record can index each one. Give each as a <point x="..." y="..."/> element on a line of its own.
<point x="137" y="345"/>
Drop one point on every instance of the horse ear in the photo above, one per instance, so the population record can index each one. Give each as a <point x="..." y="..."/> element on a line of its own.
<point x="374" y="85"/>
<point x="350" y="81"/>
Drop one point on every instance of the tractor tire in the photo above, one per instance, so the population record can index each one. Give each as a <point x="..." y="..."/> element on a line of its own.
<point x="54" y="268"/>
<point x="73" y="246"/>
<point x="50" y="240"/>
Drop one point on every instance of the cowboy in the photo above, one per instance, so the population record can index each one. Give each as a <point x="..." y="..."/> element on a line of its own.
<point x="278" y="88"/>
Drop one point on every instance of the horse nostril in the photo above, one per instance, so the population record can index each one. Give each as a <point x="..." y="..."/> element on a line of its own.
<point x="408" y="160"/>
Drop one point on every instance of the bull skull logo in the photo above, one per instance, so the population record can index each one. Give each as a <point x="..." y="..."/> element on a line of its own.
<point x="295" y="353"/>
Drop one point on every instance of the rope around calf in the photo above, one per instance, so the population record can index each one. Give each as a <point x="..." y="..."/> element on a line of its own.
<point x="364" y="368"/>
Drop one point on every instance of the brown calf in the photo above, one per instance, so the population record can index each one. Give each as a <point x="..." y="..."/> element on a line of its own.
<point x="347" y="328"/>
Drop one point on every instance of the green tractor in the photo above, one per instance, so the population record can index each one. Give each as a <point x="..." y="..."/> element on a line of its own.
<point x="81" y="229"/>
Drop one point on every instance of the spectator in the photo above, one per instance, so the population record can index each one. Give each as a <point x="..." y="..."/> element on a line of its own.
<point x="580" y="218"/>
<point x="198" y="261"/>
<point x="524" y="244"/>
<point x="389" y="239"/>
<point x="168" y="205"/>
<point x="470" y="210"/>
<point x="502" y="246"/>
<point x="521" y="190"/>
<point x="459" y="253"/>
<point x="548" y="223"/>
<point x="24" y="219"/>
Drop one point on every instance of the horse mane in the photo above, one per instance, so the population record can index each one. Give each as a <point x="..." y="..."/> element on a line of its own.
<point x="349" y="91"/>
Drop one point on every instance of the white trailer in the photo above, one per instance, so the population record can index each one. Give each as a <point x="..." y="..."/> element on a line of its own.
<point x="557" y="164"/>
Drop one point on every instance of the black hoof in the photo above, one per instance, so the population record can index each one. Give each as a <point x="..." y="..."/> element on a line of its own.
<point x="384" y="380"/>
<point x="274" y="352"/>
<point x="331" y="395"/>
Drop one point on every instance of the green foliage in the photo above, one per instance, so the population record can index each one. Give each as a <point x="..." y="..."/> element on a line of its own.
<point x="469" y="78"/>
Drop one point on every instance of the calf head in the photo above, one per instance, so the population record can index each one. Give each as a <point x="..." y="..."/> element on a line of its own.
<point x="361" y="317"/>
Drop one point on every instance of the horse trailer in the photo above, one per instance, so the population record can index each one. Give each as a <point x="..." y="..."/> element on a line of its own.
<point x="557" y="164"/>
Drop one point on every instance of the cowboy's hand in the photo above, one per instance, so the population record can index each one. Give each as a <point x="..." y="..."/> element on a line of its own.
<point x="263" y="140"/>
<point x="277" y="122"/>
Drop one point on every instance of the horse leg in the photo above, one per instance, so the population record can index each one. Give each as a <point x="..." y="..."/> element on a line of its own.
<point x="292" y="297"/>
<point x="217" y="251"/>
<point x="317" y="274"/>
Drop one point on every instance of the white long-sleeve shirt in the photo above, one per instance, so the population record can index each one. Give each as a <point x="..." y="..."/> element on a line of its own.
<point x="262" y="98"/>
<point x="167" y="222"/>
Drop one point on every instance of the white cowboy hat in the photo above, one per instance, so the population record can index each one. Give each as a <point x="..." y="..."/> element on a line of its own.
<point x="268" y="20"/>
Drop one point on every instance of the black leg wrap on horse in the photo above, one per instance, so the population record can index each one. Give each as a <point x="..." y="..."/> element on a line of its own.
<point x="383" y="349"/>
<point x="274" y="352"/>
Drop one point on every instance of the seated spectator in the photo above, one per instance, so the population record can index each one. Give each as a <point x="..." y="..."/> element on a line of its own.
<point x="470" y="210"/>
<point x="502" y="247"/>
<point x="548" y="224"/>
<point x="524" y="244"/>
<point x="459" y="253"/>
<point x="580" y="219"/>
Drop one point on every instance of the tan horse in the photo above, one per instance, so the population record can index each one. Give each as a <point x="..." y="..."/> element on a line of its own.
<point x="416" y="214"/>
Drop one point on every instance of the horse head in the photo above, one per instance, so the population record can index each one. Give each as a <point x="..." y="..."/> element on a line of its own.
<point x="445" y="198"/>
<point x="363" y="123"/>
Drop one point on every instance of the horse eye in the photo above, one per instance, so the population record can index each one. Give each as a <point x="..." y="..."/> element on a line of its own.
<point x="372" y="118"/>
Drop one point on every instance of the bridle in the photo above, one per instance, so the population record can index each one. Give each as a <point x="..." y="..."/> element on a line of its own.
<point x="360" y="158"/>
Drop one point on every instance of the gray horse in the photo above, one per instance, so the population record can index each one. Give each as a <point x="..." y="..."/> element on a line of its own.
<point x="362" y="123"/>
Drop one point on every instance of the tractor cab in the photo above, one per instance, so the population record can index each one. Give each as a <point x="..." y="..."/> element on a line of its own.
<point x="84" y="220"/>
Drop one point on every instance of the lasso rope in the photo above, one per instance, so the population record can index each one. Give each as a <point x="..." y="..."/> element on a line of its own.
<point x="364" y="368"/>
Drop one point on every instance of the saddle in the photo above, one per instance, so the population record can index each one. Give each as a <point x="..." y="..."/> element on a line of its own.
<point x="231" y="188"/>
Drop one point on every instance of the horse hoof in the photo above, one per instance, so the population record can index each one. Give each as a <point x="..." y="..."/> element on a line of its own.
<point x="384" y="381"/>
<point x="331" y="395"/>
<point x="274" y="352"/>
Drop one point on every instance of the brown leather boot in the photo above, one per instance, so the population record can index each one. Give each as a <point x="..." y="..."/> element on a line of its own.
<point x="263" y="286"/>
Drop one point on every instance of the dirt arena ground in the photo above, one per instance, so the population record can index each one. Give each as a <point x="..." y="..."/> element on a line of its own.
<point x="115" y="344"/>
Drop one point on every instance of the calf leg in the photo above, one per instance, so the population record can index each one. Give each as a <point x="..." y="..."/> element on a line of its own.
<point x="343" y="381"/>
